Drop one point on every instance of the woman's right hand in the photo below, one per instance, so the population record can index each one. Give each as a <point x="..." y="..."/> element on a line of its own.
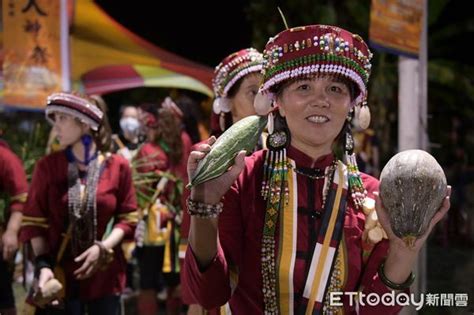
<point x="212" y="191"/>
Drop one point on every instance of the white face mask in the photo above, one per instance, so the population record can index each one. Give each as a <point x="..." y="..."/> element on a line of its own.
<point x="129" y="125"/>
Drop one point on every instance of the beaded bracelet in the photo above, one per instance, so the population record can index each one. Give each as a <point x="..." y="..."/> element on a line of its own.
<point x="203" y="210"/>
<point x="106" y="255"/>
<point x="392" y="285"/>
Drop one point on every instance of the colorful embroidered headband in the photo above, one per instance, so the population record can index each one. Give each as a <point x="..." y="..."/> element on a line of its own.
<point x="232" y="69"/>
<point x="316" y="49"/>
<point x="76" y="106"/>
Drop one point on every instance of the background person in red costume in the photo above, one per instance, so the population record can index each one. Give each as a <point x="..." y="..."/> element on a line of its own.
<point x="13" y="192"/>
<point x="165" y="154"/>
<point x="81" y="205"/>
<point x="284" y="228"/>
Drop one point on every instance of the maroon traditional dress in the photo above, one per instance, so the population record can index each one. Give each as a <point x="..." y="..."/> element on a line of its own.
<point x="235" y="275"/>
<point x="12" y="181"/>
<point x="14" y="187"/>
<point x="46" y="214"/>
<point x="156" y="160"/>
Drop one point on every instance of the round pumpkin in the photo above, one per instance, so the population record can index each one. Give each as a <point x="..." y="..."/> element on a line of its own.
<point x="412" y="188"/>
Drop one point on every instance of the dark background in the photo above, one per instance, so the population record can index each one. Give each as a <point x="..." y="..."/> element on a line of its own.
<point x="203" y="31"/>
<point x="207" y="31"/>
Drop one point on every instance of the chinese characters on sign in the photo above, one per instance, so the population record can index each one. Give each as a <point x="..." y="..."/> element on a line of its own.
<point x="32" y="4"/>
<point x="401" y="299"/>
<point x="32" y="63"/>
<point x="395" y="25"/>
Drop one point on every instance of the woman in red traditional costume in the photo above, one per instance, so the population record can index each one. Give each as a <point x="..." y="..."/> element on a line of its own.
<point x="13" y="192"/>
<point x="235" y="84"/>
<point x="81" y="205"/>
<point x="282" y="232"/>
<point x="165" y="153"/>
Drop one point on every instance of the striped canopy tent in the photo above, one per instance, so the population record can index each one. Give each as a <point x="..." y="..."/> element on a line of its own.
<point x="107" y="57"/>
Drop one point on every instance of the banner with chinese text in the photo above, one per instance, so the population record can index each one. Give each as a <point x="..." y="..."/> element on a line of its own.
<point x="395" y="26"/>
<point x="32" y="60"/>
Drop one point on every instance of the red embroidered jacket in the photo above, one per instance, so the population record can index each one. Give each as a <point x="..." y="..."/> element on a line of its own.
<point x="12" y="180"/>
<point x="240" y="237"/>
<point x="46" y="214"/>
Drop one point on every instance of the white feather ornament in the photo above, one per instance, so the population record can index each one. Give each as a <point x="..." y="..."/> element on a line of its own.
<point x="262" y="103"/>
<point x="363" y="116"/>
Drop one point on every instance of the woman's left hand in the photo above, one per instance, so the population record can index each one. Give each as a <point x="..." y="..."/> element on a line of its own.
<point x="91" y="262"/>
<point x="9" y="242"/>
<point x="397" y="243"/>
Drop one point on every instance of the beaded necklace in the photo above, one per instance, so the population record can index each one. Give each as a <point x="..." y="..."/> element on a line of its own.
<point x="82" y="205"/>
<point x="319" y="174"/>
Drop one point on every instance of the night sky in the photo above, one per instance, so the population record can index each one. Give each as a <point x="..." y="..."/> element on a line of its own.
<point x="188" y="28"/>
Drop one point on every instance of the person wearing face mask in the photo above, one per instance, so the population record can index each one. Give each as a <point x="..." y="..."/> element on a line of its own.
<point x="128" y="141"/>
<point x="81" y="205"/>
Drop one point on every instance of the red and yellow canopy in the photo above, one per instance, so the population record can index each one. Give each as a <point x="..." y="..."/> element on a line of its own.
<point x="107" y="57"/>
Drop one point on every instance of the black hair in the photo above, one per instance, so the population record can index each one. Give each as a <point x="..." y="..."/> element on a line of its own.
<point x="191" y="116"/>
<point x="103" y="136"/>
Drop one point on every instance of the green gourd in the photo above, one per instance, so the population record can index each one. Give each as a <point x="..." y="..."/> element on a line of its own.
<point x="243" y="135"/>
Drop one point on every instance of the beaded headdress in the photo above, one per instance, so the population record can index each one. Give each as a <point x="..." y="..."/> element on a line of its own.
<point x="230" y="71"/>
<point x="316" y="49"/>
<point x="307" y="51"/>
<point x="76" y="106"/>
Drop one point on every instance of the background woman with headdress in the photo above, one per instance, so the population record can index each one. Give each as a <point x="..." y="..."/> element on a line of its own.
<point x="81" y="205"/>
<point x="290" y="229"/>
<point x="235" y="84"/>
<point x="165" y="153"/>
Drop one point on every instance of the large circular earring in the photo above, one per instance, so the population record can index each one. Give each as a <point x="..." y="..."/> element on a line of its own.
<point x="279" y="137"/>
<point x="275" y="179"/>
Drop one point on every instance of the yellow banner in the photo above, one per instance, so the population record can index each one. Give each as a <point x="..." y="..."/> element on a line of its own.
<point x="32" y="61"/>
<point x="395" y="25"/>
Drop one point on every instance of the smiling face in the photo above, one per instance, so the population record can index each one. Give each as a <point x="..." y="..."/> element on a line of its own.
<point x="315" y="110"/>
<point x="68" y="129"/>
<point x="242" y="101"/>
